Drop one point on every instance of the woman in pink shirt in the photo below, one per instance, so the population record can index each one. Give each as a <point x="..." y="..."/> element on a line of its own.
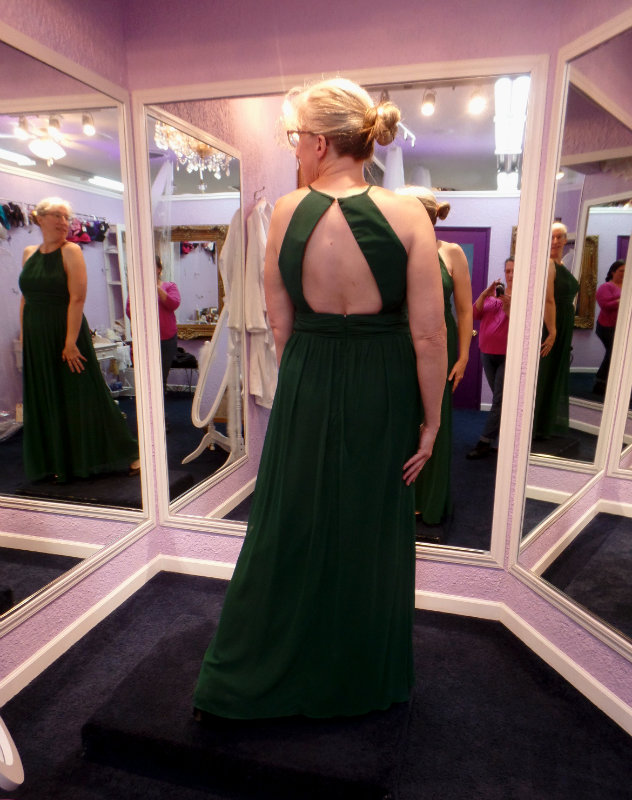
<point x="608" y="297"/>
<point x="492" y="309"/>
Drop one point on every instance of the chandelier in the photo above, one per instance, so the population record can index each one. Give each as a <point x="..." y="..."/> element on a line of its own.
<point x="191" y="153"/>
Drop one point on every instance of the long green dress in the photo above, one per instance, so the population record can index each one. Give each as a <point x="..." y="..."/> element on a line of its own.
<point x="551" y="399"/>
<point x="318" y="615"/>
<point x="72" y="426"/>
<point x="433" y="496"/>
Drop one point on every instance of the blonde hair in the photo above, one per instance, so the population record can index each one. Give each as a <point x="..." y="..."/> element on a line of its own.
<point x="345" y="114"/>
<point x="427" y="198"/>
<point x="45" y="205"/>
<point x="561" y="226"/>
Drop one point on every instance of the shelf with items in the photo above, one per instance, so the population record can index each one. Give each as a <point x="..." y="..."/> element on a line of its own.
<point x="115" y="260"/>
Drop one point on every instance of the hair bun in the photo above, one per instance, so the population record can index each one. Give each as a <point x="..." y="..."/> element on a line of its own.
<point x="443" y="209"/>
<point x="383" y="119"/>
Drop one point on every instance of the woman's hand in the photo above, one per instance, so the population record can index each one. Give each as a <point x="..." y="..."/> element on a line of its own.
<point x="458" y="370"/>
<point x="547" y="345"/>
<point x="72" y="357"/>
<point x="413" y="466"/>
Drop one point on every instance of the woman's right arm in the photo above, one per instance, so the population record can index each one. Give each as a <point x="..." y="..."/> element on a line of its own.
<point x="428" y="331"/>
<point x="279" y="306"/>
<point x="480" y="300"/>
<point x="28" y="252"/>
<point x="549" y="311"/>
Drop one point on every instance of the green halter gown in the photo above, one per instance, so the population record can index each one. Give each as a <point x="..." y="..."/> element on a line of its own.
<point x="318" y="615"/>
<point x="72" y="426"/>
<point x="433" y="496"/>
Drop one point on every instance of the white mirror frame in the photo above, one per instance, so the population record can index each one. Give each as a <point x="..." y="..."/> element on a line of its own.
<point x="168" y="512"/>
<point x="139" y="522"/>
<point x="586" y="500"/>
<point x="536" y="66"/>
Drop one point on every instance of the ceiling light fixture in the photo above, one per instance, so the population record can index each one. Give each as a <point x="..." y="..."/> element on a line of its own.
<point x="54" y="127"/>
<point x="560" y="175"/>
<point x="106" y="183"/>
<point x="477" y="103"/>
<point x="87" y="124"/>
<point x="428" y="103"/>
<point x="191" y="153"/>
<point x="47" y="148"/>
<point x="16" y="158"/>
<point x="21" y="129"/>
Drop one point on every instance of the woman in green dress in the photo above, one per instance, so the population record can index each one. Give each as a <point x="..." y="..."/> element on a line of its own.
<point x="433" y="495"/>
<point x="72" y="426"/>
<point x="318" y="615"/>
<point x="551" y="399"/>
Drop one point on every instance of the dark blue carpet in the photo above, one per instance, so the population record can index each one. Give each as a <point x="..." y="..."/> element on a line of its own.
<point x="489" y="720"/>
<point x="594" y="570"/>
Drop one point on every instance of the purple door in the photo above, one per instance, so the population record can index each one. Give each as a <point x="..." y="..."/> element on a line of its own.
<point x="475" y="244"/>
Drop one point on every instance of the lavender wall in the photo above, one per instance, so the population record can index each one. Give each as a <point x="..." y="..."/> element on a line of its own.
<point x="289" y="39"/>
<point x="27" y="190"/>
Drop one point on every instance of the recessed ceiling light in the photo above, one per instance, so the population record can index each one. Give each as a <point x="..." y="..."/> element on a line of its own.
<point x="106" y="183"/>
<point x="16" y="158"/>
<point x="477" y="103"/>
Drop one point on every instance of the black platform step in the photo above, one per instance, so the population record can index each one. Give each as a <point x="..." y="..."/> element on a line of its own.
<point x="146" y="727"/>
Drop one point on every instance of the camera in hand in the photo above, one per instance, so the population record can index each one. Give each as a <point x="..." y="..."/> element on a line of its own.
<point x="500" y="289"/>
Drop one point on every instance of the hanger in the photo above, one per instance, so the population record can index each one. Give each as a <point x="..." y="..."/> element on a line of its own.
<point x="258" y="195"/>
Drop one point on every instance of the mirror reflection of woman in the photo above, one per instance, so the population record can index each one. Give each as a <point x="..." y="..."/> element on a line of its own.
<point x="608" y="298"/>
<point x="72" y="426"/>
<point x="433" y="495"/>
<point x="318" y="616"/>
<point x="551" y="401"/>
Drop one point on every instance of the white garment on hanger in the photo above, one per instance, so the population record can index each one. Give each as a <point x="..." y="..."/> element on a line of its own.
<point x="263" y="364"/>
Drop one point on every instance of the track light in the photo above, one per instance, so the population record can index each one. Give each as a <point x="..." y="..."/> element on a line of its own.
<point x="21" y="130"/>
<point x="87" y="124"/>
<point x="428" y="104"/>
<point x="54" y="127"/>
<point x="477" y="103"/>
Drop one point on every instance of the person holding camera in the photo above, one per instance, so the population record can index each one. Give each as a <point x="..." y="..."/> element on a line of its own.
<point x="492" y="308"/>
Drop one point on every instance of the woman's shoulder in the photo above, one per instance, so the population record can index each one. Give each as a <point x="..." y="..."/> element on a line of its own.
<point x="28" y="251"/>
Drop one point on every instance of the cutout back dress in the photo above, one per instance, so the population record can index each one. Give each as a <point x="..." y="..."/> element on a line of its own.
<point x="318" y="615"/>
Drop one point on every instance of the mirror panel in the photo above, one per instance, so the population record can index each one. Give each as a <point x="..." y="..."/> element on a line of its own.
<point x="586" y="557"/>
<point x="35" y="93"/>
<point x="452" y="151"/>
<point x="196" y="213"/>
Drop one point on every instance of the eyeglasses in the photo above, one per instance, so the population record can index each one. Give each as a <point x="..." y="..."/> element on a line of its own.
<point x="57" y="215"/>
<point x="293" y="137"/>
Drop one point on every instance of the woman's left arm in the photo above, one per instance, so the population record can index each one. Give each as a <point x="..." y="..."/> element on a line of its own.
<point x="77" y="280"/>
<point x="463" y="306"/>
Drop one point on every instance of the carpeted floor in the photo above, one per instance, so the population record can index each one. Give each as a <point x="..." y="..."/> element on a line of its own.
<point x="594" y="570"/>
<point x="489" y="721"/>
<point x="120" y="490"/>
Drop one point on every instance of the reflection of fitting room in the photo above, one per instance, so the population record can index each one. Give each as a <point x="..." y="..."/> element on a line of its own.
<point x="225" y="340"/>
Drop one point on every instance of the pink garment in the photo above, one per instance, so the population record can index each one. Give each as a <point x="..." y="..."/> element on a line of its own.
<point x="494" y="327"/>
<point x="166" y="317"/>
<point x="608" y="295"/>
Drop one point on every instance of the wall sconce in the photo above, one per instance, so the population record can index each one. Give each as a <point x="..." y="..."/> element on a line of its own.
<point x="87" y="125"/>
<point x="428" y="104"/>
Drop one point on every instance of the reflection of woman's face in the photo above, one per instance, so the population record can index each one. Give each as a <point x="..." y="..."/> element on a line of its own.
<point x="54" y="223"/>
<point x="558" y="240"/>
<point x="617" y="275"/>
<point x="509" y="268"/>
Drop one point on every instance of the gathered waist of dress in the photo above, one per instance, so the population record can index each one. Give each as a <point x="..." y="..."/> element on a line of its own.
<point x="351" y="324"/>
<point x="46" y="299"/>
